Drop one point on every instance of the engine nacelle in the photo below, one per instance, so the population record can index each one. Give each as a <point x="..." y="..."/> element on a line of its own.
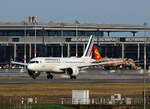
<point x="73" y="71"/>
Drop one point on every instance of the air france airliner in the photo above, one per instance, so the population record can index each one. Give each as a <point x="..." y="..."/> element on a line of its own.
<point x="61" y="65"/>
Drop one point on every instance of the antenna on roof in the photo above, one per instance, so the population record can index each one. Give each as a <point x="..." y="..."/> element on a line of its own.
<point x="33" y="19"/>
<point x="76" y="22"/>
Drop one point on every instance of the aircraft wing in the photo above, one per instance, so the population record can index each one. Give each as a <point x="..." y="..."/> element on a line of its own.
<point x="19" y="63"/>
<point x="99" y="63"/>
<point x="109" y="62"/>
<point x="95" y="63"/>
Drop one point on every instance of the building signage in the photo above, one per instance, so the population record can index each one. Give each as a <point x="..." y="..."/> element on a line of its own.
<point x="101" y="39"/>
<point x="108" y="39"/>
<point x="111" y="39"/>
<point x="140" y="39"/>
<point x="79" y="39"/>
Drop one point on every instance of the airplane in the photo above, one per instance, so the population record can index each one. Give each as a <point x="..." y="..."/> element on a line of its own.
<point x="61" y="65"/>
<point x="127" y="63"/>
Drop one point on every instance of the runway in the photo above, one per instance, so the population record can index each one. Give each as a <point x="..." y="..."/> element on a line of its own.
<point x="90" y="75"/>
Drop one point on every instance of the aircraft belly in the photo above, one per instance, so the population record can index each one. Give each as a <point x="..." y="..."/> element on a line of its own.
<point x="58" y="67"/>
<point x="75" y="64"/>
<point x="49" y="67"/>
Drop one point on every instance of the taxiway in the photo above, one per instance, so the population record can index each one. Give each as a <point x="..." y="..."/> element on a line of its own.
<point x="89" y="75"/>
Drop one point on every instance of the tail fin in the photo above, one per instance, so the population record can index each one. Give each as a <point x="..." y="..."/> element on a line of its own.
<point x="97" y="54"/>
<point x="88" y="50"/>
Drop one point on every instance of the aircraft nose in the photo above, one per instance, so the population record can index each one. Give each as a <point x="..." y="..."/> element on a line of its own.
<point x="29" y="67"/>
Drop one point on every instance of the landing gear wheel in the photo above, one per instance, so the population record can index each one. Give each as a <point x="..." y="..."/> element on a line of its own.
<point x="128" y="67"/>
<point x="49" y="76"/>
<point x="106" y="68"/>
<point x="73" y="77"/>
<point x="33" y="77"/>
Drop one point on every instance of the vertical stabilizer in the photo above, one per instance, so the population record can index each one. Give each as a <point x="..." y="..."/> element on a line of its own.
<point x="88" y="50"/>
<point x="97" y="54"/>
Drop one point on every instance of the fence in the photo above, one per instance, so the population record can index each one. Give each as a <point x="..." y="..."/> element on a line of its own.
<point x="66" y="100"/>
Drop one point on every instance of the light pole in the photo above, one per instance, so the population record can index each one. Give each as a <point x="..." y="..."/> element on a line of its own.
<point x="76" y="42"/>
<point x="25" y="39"/>
<point x="35" y="40"/>
<point x="62" y="50"/>
<point x="144" y="79"/>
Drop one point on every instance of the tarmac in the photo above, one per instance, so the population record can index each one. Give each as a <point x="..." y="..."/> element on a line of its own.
<point x="90" y="75"/>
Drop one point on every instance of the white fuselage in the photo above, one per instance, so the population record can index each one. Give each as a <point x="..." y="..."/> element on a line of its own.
<point x="51" y="64"/>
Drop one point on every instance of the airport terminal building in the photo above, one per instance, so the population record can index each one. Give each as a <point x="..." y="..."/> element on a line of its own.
<point x="22" y="41"/>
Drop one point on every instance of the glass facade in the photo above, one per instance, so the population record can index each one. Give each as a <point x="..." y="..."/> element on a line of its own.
<point x="6" y="53"/>
<point x="11" y="33"/>
<point x="49" y="33"/>
<point x="131" y="51"/>
<point x="110" y="50"/>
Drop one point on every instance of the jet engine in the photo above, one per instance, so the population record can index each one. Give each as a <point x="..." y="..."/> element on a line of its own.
<point x="33" y="74"/>
<point x="73" y="72"/>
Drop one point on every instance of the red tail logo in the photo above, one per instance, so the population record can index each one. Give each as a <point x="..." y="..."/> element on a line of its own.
<point x="97" y="54"/>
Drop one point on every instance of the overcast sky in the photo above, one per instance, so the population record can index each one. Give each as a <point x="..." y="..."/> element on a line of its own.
<point x="86" y="11"/>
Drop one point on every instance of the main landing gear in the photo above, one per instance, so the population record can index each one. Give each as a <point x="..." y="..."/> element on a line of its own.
<point x="33" y="77"/>
<point x="34" y="74"/>
<point x="73" y="77"/>
<point x="49" y="76"/>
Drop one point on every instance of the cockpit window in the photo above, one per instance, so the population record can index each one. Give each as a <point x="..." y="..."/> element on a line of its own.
<point x="34" y="62"/>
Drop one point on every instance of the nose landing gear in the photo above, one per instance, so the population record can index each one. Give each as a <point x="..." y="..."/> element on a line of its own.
<point x="73" y="77"/>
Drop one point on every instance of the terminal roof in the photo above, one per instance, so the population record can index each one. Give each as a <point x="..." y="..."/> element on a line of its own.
<point x="73" y="26"/>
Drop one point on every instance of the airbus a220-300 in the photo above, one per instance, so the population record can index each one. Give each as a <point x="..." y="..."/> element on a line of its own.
<point x="61" y="65"/>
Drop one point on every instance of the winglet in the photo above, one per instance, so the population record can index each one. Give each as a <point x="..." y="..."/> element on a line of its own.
<point x="87" y="52"/>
